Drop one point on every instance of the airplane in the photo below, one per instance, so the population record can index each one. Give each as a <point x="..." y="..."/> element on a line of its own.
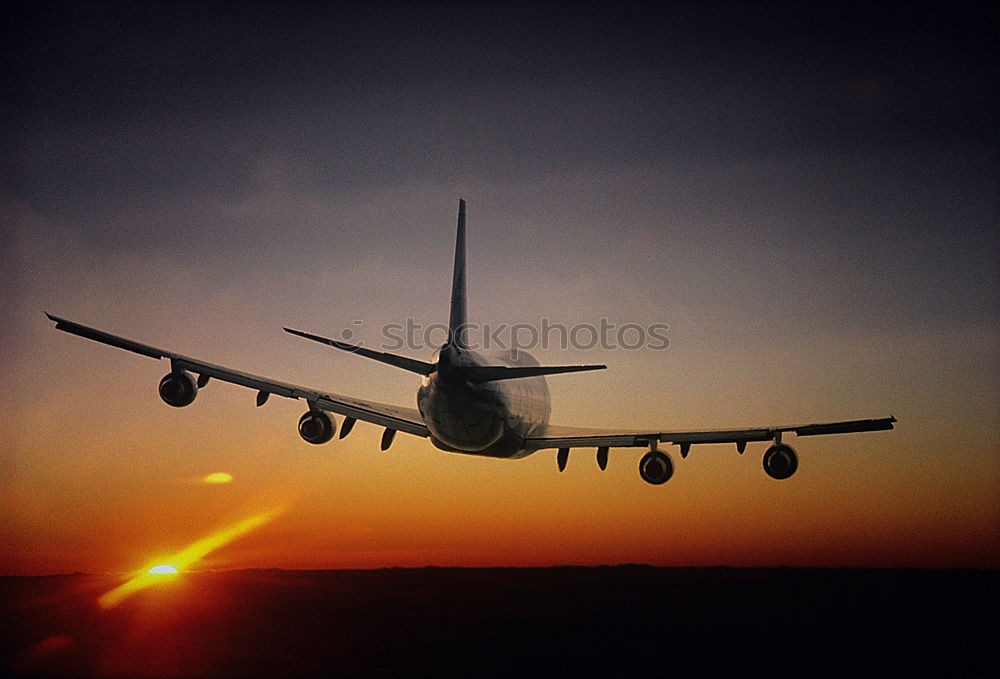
<point x="493" y="404"/>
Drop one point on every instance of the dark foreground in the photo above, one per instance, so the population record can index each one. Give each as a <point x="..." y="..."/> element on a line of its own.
<point x="523" y="622"/>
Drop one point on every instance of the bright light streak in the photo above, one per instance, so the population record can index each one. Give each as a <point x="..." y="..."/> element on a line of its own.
<point x="218" y="477"/>
<point x="163" y="569"/>
<point x="184" y="558"/>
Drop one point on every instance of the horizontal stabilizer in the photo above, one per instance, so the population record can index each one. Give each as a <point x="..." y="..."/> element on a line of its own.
<point x="489" y="373"/>
<point x="411" y="364"/>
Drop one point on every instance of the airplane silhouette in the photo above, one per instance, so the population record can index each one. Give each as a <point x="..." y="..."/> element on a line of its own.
<point x="477" y="403"/>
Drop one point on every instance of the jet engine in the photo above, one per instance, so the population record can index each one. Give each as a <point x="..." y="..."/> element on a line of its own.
<point x="655" y="467"/>
<point x="316" y="427"/>
<point x="178" y="389"/>
<point x="780" y="461"/>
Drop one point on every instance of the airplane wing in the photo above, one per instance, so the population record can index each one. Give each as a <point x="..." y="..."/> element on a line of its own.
<point x="391" y="417"/>
<point x="554" y="436"/>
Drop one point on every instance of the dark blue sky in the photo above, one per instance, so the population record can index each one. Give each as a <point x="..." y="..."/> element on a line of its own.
<point x="852" y="132"/>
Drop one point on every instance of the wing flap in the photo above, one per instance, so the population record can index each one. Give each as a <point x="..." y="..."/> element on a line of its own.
<point x="845" y="427"/>
<point x="608" y="441"/>
<point x="106" y="338"/>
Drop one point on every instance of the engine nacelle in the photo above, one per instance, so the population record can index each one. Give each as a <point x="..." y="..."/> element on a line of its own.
<point x="655" y="467"/>
<point x="316" y="427"/>
<point x="780" y="461"/>
<point x="178" y="389"/>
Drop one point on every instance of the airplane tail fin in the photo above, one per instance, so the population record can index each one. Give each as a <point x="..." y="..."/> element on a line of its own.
<point x="457" y="321"/>
<point x="457" y="328"/>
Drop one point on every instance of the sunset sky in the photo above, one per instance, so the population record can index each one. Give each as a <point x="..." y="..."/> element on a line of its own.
<point x="807" y="197"/>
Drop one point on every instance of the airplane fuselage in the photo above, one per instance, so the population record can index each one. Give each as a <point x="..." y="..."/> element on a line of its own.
<point x="489" y="418"/>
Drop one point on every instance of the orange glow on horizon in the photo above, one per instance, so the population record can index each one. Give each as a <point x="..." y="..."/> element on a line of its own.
<point x="185" y="558"/>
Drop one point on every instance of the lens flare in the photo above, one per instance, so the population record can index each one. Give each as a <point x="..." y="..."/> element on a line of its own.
<point x="218" y="477"/>
<point x="186" y="557"/>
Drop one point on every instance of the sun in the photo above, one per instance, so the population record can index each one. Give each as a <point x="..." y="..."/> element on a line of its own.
<point x="184" y="558"/>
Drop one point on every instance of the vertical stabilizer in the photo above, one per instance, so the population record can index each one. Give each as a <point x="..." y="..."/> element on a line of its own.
<point x="457" y="321"/>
